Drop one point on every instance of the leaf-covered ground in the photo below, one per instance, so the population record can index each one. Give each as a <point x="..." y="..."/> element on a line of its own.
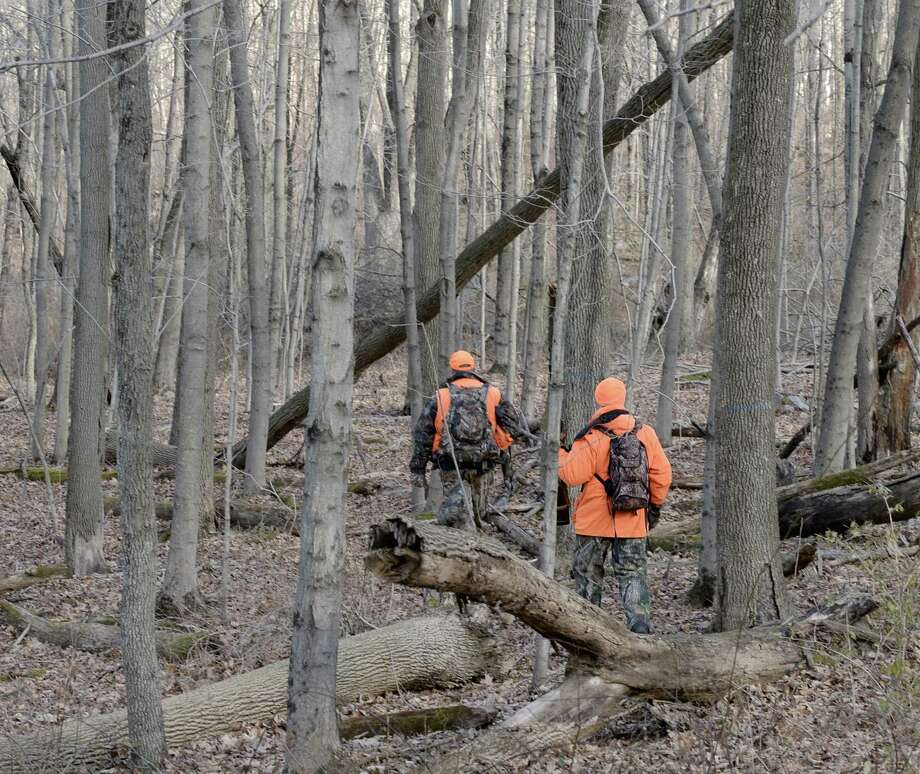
<point x="855" y="707"/>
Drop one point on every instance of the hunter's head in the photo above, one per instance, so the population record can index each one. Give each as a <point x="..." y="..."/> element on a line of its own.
<point x="610" y="392"/>
<point x="462" y="361"/>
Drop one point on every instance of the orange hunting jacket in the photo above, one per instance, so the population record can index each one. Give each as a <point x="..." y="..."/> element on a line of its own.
<point x="493" y="397"/>
<point x="589" y="456"/>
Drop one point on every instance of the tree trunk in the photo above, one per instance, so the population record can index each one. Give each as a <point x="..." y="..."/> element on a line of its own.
<point x="401" y="139"/>
<point x="575" y="34"/>
<point x="409" y="655"/>
<point x="312" y="735"/>
<point x="83" y="532"/>
<point x="750" y="587"/>
<point x="897" y="389"/>
<point x="279" y="230"/>
<point x="170" y="329"/>
<point x="134" y="290"/>
<point x="680" y="243"/>
<point x="179" y="590"/>
<point x="390" y="335"/>
<point x="260" y="349"/>
<point x="41" y="278"/>
<point x="429" y="172"/>
<point x="830" y="453"/>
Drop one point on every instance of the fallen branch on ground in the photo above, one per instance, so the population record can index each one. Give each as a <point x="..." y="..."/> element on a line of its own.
<point x="94" y="637"/>
<point x="40" y="574"/>
<point x="409" y="655"/>
<point x="413" y="722"/>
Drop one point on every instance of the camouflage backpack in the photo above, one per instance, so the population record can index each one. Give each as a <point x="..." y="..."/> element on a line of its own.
<point x="627" y="471"/>
<point x="468" y="433"/>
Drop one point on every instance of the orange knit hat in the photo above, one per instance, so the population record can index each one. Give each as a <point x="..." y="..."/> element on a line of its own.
<point x="462" y="361"/>
<point x="610" y="392"/>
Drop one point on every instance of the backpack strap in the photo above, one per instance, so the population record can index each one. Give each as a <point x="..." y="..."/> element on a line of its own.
<point x="603" y="419"/>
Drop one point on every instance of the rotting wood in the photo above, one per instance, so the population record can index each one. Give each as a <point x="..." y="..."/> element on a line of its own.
<point x="416" y="721"/>
<point x="94" y="637"/>
<point x="431" y="651"/>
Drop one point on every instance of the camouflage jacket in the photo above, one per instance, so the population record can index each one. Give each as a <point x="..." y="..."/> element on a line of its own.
<point x="507" y="415"/>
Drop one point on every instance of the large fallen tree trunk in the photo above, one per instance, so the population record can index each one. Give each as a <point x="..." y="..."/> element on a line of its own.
<point x="93" y="637"/>
<point x="409" y="655"/>
<point x="244" y="513"/>
<point x="607" y="664"/>
<point x="388" y="336"/>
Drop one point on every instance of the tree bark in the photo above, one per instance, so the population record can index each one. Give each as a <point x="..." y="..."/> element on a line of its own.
<point x="312" y="734"/>
<point x="134" y="290"/>
<point x="179" y="590"/>
<point x="83" y="532"/>
<point x="830" y="453"/>
<point x="409" y="655"/>
<point x="260" y="348"/>
<point x="897" y="388"/>
<point x="750" y="588"/>
<point x="385" y="338"/>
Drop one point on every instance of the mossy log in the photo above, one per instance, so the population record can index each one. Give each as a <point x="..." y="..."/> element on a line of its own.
<point x="40" y="574"/>
<point x="56" y="475"/>
<point x="607" y="662"/>
<point x="414" y="722"/>
<point x="433" y="651"/>
<point x="96" y="637"/>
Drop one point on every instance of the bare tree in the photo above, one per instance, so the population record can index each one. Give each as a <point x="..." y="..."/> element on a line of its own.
<point x="179" y="590"/>
<point x="133" y="318"/>
<point x="750" y="578"/>
<point x="260" y="349"/>
<point x="312" y="731"/>
<point x="900" y="370"/>
<point x="576" y="27"/>
<point x="83" y="532"/>
<point x="830" y="453"/>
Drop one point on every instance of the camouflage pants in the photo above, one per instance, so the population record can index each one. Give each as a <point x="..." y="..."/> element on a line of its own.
<point x="454" y="510"/>
<point x="629" y="568"/>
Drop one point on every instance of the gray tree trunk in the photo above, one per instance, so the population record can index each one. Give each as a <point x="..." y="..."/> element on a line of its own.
<point x="680" y="243"/>
<point x="401" y="139"/>
<point x="260" y="349"/>
<point x="589" y="326"/>
<point x="279" y="174"/>
<point x="830" y="454"/>
<point x="576" y="28"/>
<point x="83" y="531"/>
<point x="134" y="339"/>
<point x="430" y="102"/>
<point x="43" y="271"/>
<point x="509" y="258"/>
<point x="750" y="586"/>
<point x="179" y="591"/>
<point x="312" y="735"/>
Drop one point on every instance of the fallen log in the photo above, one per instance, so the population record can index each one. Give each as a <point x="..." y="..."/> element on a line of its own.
<point x="414" y="722"/>
<point x="429" y="556"/>
<point x="163" y="454"/>
<point x="410" y="655"/>
<point x="794" y="564"/>
<point x="95" y="637"/>
<point x="244" y="514"/>
<point x="607" y="662"/>
<point x="387" y="336"/>
<point x="513" y="531"/>
<point x="40" y="574"/>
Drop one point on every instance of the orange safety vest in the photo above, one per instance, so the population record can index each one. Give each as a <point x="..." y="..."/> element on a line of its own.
<point x="493" y="398"/>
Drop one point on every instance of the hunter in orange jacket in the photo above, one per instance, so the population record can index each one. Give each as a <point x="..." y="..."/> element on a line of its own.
<point x="589" y="457"/>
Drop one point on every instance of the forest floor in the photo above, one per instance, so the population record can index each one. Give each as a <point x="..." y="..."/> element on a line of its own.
<point x="855" y="708"/>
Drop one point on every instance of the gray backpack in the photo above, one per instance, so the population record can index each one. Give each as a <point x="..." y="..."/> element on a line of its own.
<point x="468" y="436"/>
<point x="627" y="471"/>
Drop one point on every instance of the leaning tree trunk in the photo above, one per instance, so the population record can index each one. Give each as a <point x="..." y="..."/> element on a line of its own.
<point x="409" y="655"/>
<point x="900" y="372"/>
<point x="312" y="734"/>
<point x="830" y="453"/>
<point x="260" y="349"/>
<point x="180" y="582"/>
<point x="647" y="100"/>
<point x="83" y="532"/>
<point x="750" y="588"/>
<point x="134" y="290"/>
